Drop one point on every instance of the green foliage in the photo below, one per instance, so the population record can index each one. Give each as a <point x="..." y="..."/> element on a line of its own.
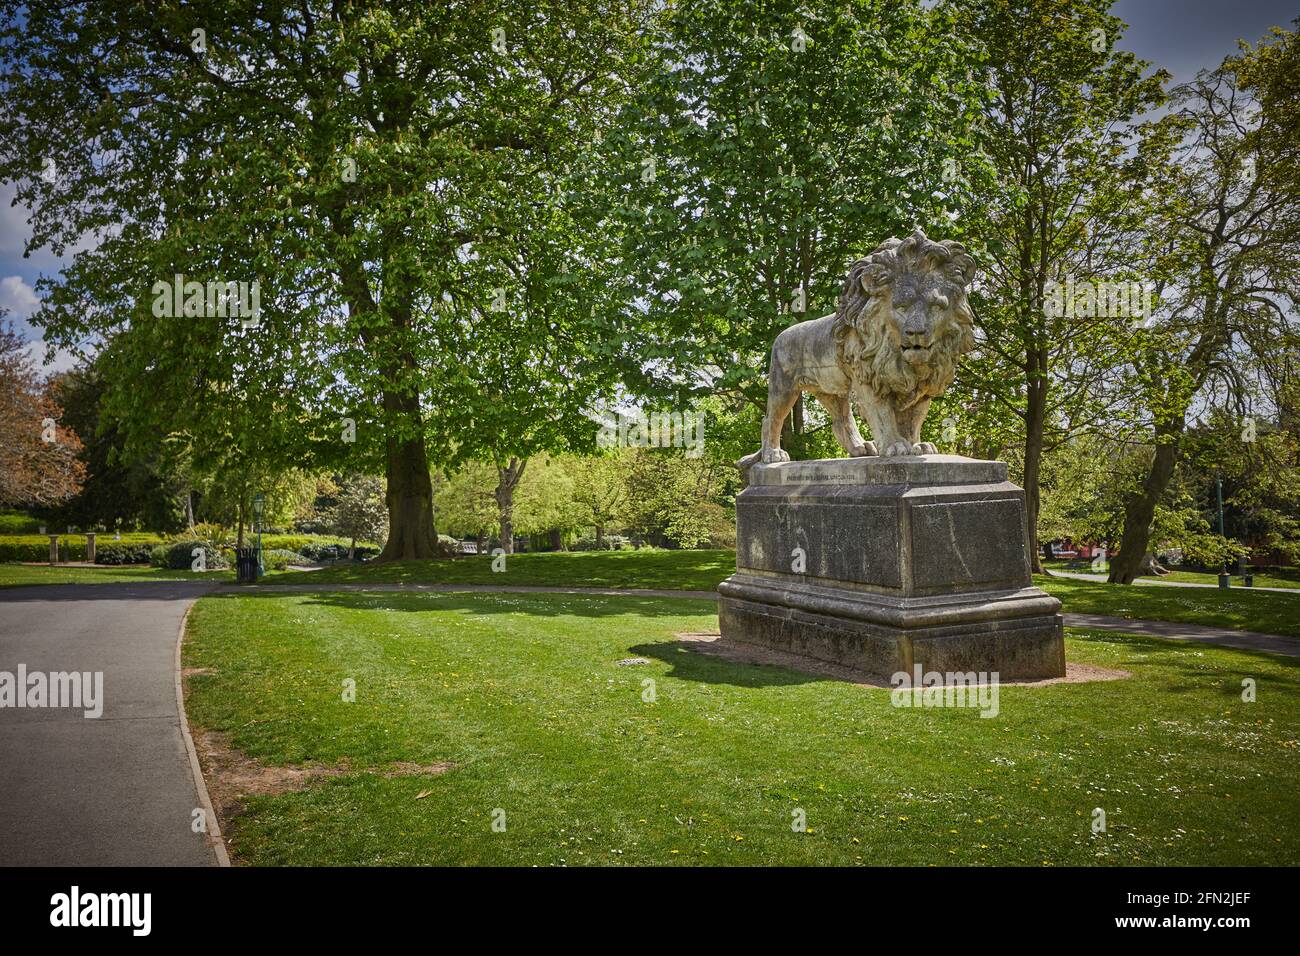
<point x="277" y="559"/>
<point x="672" y="499"/>
<point x="360" y="512"/>
<point x="18" y="522"/>
<point x="121" y="488"/>
<point x="380" y="171"/>
<point x="463" y="500"/>
<point x="1072" y="166"/>
<point x="178" y="555"/>
<point x="72" y="547"/>
<point x="112" y="553"/>
<point x="609" y="542"/>
<point x="327" y="553"/>
<point x="771" y="146"/>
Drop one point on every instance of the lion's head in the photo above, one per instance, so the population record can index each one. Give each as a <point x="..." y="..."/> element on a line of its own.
<point x="903" y="318"/>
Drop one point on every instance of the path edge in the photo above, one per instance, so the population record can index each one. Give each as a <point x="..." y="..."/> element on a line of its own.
<point x="218" y="842"/>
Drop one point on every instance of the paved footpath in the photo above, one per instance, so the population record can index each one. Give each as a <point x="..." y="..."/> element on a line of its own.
<point x="114" y="791"/>
<point x="1160" y="583"/>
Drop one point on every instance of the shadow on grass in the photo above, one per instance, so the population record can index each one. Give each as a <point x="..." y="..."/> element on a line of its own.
<point x="613" y="569"/>
<point x="1173" y="662"/>
<point x="540" y="604"/>
<point x="689" y="663"/>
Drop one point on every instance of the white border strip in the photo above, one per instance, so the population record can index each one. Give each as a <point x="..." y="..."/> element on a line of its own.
<point x="216" y="841"/>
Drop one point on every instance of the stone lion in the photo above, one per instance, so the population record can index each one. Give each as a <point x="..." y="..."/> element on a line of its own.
<point x="889" y="349"/>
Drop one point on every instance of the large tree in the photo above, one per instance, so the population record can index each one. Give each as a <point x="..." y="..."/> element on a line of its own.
<point x="1072" y="164"/>
<point x="773" y="145"/>
<point x="1231" y="229"/>
<point x="40" y="461"/>
<point x="120" y="488"/>
<point x="370" y="165"/>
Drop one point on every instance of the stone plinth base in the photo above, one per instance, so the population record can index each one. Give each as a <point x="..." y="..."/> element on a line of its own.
<point x="883" y="564"/>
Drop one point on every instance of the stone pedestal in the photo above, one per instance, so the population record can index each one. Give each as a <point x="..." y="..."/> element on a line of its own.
<point x="882" y="564"/>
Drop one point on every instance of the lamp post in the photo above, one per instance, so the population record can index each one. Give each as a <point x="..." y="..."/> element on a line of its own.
<point x="1225" y="579"/>
<point x="259" y="504"/>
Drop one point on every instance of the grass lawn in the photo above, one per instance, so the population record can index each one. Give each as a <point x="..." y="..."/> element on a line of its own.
<point x="16" y="575"/>
<point x="1239" y="610"/>
<point x="686" y="570"/>
<point x="1197" y="577"/>
<point x="702" y="570"/>
<point x="524" y="696"/>
<point x="1290" y="580"/>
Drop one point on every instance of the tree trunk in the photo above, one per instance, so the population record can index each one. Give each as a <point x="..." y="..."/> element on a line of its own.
<point x="600" y="536"/>
<point x="410" y="492"/>
<point x="557" y="540"/>
<point x="507" y="481"/>
<point x="352" y="550"/>
<point x="507" y="529"/>
<point x="239" y="535"/>
<point x="1140" y="508"/>
<point x="1034" y="419"/>
<point x="189" y="509"/>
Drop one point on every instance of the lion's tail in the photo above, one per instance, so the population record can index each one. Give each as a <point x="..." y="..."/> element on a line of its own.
<point x="744" y="464"/>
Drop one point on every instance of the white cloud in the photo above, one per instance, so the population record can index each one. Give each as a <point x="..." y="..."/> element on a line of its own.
<point x="14" y="227"/>
<point x="18" y="297"/>
<point x="60" y="361"/>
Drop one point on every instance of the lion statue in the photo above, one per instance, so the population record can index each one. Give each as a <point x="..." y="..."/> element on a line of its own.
<point x="889" y="349"/>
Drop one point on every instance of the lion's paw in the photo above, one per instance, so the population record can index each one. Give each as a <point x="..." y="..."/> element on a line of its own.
<point x="898" y="449"/>
<point x="773" y="455"/>
<point x="865" y="450"/>
<point x="924" y="448"/>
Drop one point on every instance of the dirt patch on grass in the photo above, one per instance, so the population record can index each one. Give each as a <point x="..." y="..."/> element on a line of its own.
<point x="715" y="646"/>
<point x="232" y="776"/>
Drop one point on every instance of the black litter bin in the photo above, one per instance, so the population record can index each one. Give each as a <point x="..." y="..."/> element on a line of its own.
<point x="246" y="565"/>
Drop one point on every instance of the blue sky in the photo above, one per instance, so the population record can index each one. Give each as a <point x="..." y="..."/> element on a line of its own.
<point x="1181" y="35"/>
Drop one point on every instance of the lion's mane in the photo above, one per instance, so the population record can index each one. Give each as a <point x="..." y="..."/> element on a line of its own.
<point x="867" y="351"/>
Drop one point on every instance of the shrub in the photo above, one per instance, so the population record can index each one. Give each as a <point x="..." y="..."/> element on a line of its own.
<point x="36" y="547"/>
<point x="326" y="552"/>
<point x="179" y="555"/>
<point x="123" y="552"/>
<point x="219" y="535"/>
<point x="277" y="559"/>
<point x="18" y="522"/>
<point x="610" y="542"/>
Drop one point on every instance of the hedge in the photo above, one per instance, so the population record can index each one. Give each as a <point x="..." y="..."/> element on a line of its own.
<point x="135" y="546"/>
<point x="72" y="547"/>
